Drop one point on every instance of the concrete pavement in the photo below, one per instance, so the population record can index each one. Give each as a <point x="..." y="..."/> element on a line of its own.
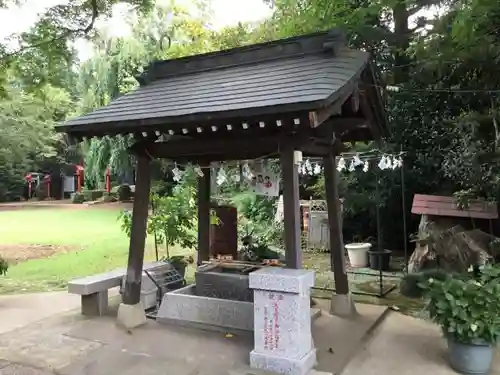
<point x="19" y="310"/>
<point x="44" y="333"/>
<point x="404" y="345"/>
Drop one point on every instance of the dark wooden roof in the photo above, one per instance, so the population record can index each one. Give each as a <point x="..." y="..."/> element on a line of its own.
<point x="288" y="76"/>
<point x="436" y="205"/>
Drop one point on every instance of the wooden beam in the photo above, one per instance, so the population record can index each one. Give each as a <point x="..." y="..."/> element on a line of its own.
<point x="204" y="183"/>
<point x="342" y="126"/>
<point x="291" y="207"/>
<point x="334" y="220"/>
<point x="284" y="113"/>
<point x="370" y="115"/>
<point x="132" y="294"/>
<point x="316" y="149"/>
<point x="224" y="148"/>
<point x="316" y="118"/>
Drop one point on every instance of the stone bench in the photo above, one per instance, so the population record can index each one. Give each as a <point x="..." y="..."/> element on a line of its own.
<point x="94" y="289"/>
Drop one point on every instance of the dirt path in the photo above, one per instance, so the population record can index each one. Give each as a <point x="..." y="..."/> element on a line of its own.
<point x="18" y="253"/>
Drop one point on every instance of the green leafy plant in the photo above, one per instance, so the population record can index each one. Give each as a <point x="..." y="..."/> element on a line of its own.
<point x="125" y="219"/>
<point x="256" y="248"/>
<point x="173" y="219"/>
<point x="463" y="198"/>
<point x="4" y="266"/>
<point x="412" y="284"/>
<point x="466" y="306"/>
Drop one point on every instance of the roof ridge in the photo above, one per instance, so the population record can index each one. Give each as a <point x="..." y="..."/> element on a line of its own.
<point x="320" y="42"/>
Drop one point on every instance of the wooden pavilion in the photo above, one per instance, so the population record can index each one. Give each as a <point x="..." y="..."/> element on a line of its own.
<point x="308" y="93"/>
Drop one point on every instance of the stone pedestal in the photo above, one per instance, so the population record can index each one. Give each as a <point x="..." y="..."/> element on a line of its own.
<point x="131" y="316"/>
<point x="343" y="306"/>
<point x="282" y="321"/>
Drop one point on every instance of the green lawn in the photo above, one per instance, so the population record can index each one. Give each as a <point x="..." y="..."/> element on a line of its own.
<point x="102" y="246"/>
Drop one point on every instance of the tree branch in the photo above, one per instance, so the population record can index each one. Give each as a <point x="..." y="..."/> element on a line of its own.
<point x="64" y="35"/>
<point x="414" y="10"/>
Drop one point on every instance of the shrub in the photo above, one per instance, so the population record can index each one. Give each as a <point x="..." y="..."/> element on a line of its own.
<point x="124" y="193"/>
<point x="411" y="284"/>
<point x="4" y="266"/>
<point x="466" y="307"/>
<point x="77" y="198"/>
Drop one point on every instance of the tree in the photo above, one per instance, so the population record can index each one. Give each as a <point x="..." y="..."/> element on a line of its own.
<point x="27" y="139"/>
<point x="445" y="111"/>
<point x="168" y="31"/>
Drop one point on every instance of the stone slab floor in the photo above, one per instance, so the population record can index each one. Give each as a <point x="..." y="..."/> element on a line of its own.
<point x="403" y="345"/>
<point x="19" y="310"/>
<point x="68" y="344"/>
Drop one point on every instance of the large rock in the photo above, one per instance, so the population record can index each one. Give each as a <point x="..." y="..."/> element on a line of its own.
<point x="443" y="244"/>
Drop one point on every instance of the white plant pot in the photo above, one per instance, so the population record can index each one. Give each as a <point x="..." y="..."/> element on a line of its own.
<point x="358" y="254"/>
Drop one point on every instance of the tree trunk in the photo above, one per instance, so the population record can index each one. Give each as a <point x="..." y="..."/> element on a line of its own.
<point x="402" y="42"/>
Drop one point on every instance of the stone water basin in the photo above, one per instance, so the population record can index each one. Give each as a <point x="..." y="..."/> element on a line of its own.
<point x="225" y="281"/>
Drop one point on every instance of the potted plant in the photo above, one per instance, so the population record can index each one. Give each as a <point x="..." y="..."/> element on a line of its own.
<point x="466" y="308"/>
<point x="358" y="253"/>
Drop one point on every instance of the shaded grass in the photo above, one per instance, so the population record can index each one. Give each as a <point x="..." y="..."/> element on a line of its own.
<point x="104" y="247"/>
<point x="320" y="263"/>
<point x="96" y="231"/>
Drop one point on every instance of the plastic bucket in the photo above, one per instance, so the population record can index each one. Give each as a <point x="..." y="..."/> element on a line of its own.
<point x="358" y="254"/>
<point x="380" y="260"/>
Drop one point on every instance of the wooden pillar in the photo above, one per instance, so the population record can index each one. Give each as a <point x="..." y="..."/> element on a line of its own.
<point x="132" y="293"/>
<point x="291" y="209"/>
<point x="204" y="183"/>
<point x="334" y="220"/>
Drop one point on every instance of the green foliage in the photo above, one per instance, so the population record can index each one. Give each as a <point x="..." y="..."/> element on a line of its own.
<point x="4" y="266"/>
<point x="466" y="308"/>
<point x="125" y="219"/>
<point x="101" y="153"/>
<point x="169" y="30"/>
<point x="27" y="140"/>
<point x="412" y="284"/>
<point x="172" y="219"/>
<point x="257" y="217"/>
<point x="256" y="250"/>
<point x="451" y="137"/>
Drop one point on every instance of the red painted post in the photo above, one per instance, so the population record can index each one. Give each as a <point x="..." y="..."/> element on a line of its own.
<point x="29" y="179"/>
<point x="79" y="170"/>
<point x="108" y="180"/>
